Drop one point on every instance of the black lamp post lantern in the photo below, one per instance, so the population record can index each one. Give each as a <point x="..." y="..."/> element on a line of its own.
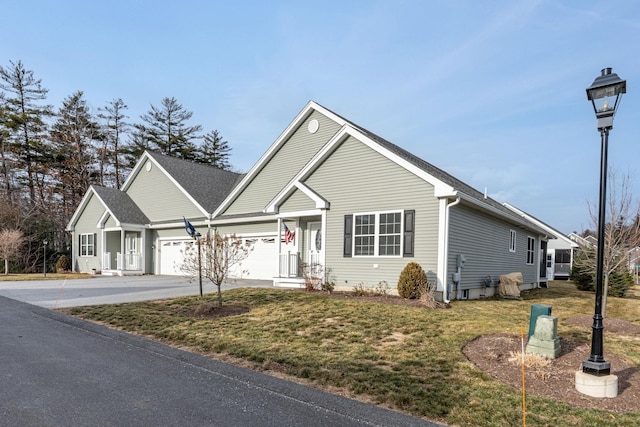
<point x="606" y="86"/>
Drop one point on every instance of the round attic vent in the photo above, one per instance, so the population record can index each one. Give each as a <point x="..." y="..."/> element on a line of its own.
<point x="148" y="166"/>
<point x="313" y="126"/>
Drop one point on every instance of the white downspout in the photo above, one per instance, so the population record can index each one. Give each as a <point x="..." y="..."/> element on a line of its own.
<point x="445" y="293"/>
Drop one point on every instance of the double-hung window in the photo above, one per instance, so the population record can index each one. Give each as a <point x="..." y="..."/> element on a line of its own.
<point x="512" y="240"/>
<point x="87" y="244"/>
<point x="378" y="234"/>
<point x="531" y="244"/>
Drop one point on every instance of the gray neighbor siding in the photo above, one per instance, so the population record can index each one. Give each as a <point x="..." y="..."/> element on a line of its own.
<point x="289" y="159"/>
<point x="357" y="179"/>
<point x="159" y="198"/>
<point x="87" y="224"/>
<point x="484" y="241"/>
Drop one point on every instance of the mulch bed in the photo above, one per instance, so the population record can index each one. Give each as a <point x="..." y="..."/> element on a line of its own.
<point x="557" y="380"/>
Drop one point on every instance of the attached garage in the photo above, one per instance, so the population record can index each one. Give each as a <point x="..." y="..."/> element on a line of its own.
<point x="262" y="262"/>
<point x="172" y="255"/>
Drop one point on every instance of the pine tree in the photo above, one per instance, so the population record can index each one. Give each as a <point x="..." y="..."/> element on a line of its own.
<point x="75" y="137"/>
<point x="214" y="151"/>
<point x="113" y="149"/>
<point x="165" y="129"/>
<point x="25" y="121"/>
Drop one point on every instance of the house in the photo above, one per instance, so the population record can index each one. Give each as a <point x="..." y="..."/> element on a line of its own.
<point x="140" y="228"/>
<point x="327" y="195"/>
<point x="560" y="248"/>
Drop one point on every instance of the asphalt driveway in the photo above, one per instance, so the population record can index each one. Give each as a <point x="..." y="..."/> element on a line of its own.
<point x="111" y="289"/>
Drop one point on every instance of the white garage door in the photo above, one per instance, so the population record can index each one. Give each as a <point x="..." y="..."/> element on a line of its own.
<point x="171" y="256"/>
<point x="262" y="262"/>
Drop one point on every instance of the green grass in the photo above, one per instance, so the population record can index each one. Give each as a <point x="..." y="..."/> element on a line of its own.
<point x="407" y="358"/>
<point x="40" y="276"/>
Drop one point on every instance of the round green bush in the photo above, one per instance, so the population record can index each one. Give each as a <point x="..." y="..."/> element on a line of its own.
<point x="412" y="279"/>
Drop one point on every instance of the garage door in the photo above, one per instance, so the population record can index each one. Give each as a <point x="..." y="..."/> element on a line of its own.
<point x="262" y="262"/>
<point x="172" y="255"/>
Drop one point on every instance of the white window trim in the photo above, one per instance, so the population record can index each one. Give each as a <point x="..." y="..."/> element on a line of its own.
<point x="376" y="244"/>
<point x="84" y="252"/>
<point x="512" y="240"/>
<point x="531" y="251"/>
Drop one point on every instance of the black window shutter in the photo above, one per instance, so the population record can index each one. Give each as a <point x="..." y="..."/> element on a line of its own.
<point x="348" y="235"/>
<point x="409" y="232"/>
<point x="79" y="244"/>
<point x="95" y="244"/>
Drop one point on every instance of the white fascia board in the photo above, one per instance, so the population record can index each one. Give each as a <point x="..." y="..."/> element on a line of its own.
<point x="266" y="157"/>
<point x="521" y="221"/>
<point x="103" y="219"/>
<point x="274" y="205"/>
<point x="136" y="169"/>
<point x="296" y="214"/>
<point x="441" y="189"/>
<point x="555" y="234"/>
<point x="80" y="208"/>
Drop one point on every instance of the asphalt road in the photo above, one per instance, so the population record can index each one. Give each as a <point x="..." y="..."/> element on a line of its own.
<point x="57" y="370"/>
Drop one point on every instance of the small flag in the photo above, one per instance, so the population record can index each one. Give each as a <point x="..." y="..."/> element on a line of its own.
<point x="288" y="234"/>
<point x="191" y="230"/>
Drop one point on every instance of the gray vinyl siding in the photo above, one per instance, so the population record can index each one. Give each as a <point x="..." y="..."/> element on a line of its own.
<point x="484" y="241"/>
<point x="87" y="224"/>
<point x="356" y="179"/>
<point x="298" y="201"/>
<point x="159" y="198"/>
<point x="286" y="163"/>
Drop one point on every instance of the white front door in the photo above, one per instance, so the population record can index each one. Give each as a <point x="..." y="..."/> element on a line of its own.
<point x="131" y="251"/>
<point x="315" y="244"/>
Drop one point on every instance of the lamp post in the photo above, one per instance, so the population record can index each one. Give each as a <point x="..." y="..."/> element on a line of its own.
<point x="44" y="243"/>
<point x="606" y="85"/>
<point x="198" y="236"/>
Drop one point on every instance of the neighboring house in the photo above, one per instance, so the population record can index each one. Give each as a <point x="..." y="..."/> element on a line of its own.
<point x="560" y="248"/>
<point x="331" y="196"/>
<point x="140" y="229"/>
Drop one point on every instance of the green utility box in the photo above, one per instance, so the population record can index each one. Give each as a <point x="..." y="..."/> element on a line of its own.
<point x="537" y="310"/>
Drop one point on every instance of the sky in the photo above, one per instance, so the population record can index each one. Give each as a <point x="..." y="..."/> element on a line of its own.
<point x="491" y="91"/>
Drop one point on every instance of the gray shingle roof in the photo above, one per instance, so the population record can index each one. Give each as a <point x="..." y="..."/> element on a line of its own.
<point x="438" y="173"/>
<point x="208" y="185"/>
<point x="121" y="205"/>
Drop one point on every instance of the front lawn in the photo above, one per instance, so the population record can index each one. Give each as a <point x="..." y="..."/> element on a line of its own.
<point x="403" y="357"/>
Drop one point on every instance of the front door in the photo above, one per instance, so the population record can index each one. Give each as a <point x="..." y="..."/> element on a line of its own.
<point x="131" y="251"/>
<point x="315" y="245"/>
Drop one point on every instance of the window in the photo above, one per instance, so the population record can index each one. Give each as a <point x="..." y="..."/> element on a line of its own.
<point x="378" y="234"/>
<point x="512" y="241"/>
<point x="563" y="256"/>
<point x="531" y="243"/>
<point x="87" y="245"/>
<point x="365" y="235"/>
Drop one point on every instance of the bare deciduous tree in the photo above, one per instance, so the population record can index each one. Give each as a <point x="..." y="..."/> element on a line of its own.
<point x="10" y="244"/>
<point x="213" y="256"/>
<point x="622" y="229"/>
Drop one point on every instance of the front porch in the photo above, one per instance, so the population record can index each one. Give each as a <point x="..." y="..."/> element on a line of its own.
<point x="293" y="272"/>
<point x="121" y="255"/>
<point x="119" y="264"/>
